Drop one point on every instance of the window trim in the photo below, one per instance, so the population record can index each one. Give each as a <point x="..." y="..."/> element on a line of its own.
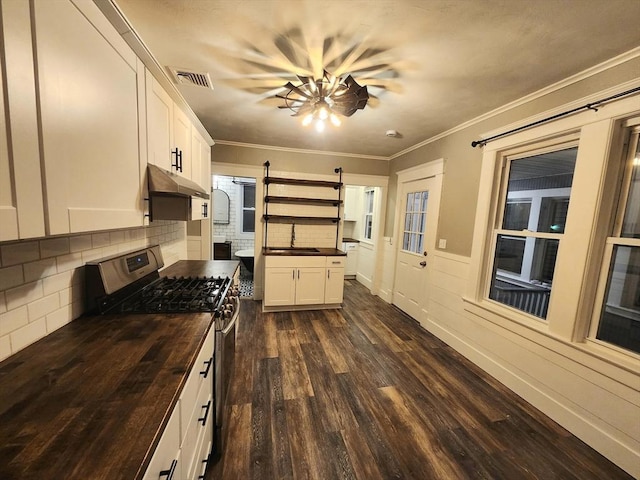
<point x="597" y="134"/>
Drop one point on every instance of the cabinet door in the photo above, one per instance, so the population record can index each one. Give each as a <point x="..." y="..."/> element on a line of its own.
<point x="334" y="286"/>
<point x="90" y="83"/>
<point x="310" y="286"/>
<point x="166" y="457"/>
<point x="182" y="142"/>
<point x="279" y="286"/>
<point x="159" y="124"/>
<point x="21" y="202"/>
<point x="351" y="203"/>
<point x="200" y="173"/>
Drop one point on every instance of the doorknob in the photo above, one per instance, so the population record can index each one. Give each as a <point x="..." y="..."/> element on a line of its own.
<point x="423" y="263"/>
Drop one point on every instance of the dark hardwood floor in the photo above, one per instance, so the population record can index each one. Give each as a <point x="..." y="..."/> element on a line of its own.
<point x="365" y="392"/>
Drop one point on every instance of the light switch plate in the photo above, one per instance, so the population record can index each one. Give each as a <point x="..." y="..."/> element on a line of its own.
<point x="442" y="243"/>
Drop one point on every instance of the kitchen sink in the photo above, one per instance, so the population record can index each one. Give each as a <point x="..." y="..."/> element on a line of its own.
<point x="293" y="250"/>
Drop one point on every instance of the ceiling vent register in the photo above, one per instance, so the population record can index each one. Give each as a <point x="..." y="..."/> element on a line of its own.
<point x="185" y="77"/>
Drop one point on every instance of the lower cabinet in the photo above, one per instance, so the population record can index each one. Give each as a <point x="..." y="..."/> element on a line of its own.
<point x="185" y="446"/>
<point x="303" y="281"/>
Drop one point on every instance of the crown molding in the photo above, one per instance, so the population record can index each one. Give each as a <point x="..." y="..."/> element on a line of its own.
<point x="299" y="150"/>
<point x="589" y="72"/>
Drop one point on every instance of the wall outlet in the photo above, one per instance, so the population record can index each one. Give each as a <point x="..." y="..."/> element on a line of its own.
<point x="442" y="243"/>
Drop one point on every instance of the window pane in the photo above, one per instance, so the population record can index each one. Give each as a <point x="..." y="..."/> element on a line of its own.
<point x="425" y="198"/>
<point x="412" y="246"/>
<point x="516" y="215"/>
<point x="407" y="222"/>
<point x="409" y="202"/>
<point x="523" y="273"/>
<point x="405" y="242"/>
<point x="248" y="221"/>
<point x="544" y="181"/>
<point x="416" y="202"/>
<point x="420" y="248"/>
<point x="249" y="196"/>
<point x="631" y="223"/>
<point x="415" y="222"/>
<point x="620" y="319"/>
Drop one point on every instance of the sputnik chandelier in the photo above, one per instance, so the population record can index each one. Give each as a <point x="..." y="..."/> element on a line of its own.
<point x="325" y="99"/>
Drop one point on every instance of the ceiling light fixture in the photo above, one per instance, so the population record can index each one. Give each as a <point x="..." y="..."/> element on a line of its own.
<point x="324" y="99"/>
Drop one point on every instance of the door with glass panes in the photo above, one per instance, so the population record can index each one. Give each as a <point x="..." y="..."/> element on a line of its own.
<point x="412" y="267"/>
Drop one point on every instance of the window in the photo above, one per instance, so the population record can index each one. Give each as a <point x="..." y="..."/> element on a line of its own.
<point x="617" y="318"/>
<point x="415" y="222"/>
<point x="368" y="213"/>
<point x="535" y="202"/>
<point x="248" y="206"/>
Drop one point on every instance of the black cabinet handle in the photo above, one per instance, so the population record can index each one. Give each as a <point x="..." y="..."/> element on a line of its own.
<point x="178" y="163"/>
<point x="206" y="407"/>
<point x="206" y="370"/>
<point x="169" y="473"/>
<point x="205" y="210"/>
<point x="206" y="464"/>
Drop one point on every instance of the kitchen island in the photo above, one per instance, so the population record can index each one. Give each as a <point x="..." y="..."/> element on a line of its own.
<point x="92" y="399"/>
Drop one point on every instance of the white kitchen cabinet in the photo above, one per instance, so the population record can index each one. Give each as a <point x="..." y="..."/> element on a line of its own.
<point x="166" y="457"/>
<point x="291" y="281"/>
<point x="21" y="201"/>
<point x="90" y="86"/>
<point x="168" y="131"/>
<point x="310" y="285"/>
<point x="187" y="439"/>
<point x="351" y="264"/>
<point x="334" y="280"/>
<point x="352" y="203"/>
<point x="201" y="174"/>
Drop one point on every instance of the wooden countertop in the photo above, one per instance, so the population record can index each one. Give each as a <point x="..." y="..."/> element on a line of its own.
<point x="295" y="252"/>
<point x="90" y="400"/>
<point x="201" y="268"/>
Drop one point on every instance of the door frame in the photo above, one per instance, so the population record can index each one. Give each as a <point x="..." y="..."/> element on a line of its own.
<point x="433" y="169"/>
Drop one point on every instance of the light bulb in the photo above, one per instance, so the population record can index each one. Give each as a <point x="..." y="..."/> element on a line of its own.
<point x="319" y="125"/>
<point x="334" y="119"/>
<point x="323" y="113"/>
<point x="307" y="119"/>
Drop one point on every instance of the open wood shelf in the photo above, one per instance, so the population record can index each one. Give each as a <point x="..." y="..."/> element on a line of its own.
<point x="306" y="183"/>
<point x="299" y="219"/>
<point x="303" y="201"/>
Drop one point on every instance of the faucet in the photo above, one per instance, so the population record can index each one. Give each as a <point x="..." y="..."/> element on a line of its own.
<point x="293" y="234"/>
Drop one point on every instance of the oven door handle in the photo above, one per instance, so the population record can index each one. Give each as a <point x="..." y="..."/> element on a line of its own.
<point x="232" y="323"/>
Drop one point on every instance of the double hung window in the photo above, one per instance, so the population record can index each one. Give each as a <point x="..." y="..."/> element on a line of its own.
<point x="248" y="208"/>
<point x="368" y="213"/>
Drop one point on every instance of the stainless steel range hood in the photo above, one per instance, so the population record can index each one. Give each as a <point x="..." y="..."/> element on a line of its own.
<point x="164" y="182"/>
<point x="171" y="196"/>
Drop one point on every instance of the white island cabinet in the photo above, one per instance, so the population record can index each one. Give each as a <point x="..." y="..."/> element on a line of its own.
<point x="184" y="449"/>
<point x="302" y="282"/>
<point x="91" y="91"/>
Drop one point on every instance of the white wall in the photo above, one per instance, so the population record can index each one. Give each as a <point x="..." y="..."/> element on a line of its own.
<point x="551" y="375"/>
<point x="42" y="281"/>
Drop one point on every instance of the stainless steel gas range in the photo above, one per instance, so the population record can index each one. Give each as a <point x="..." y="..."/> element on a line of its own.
<point x="131" y="283"/>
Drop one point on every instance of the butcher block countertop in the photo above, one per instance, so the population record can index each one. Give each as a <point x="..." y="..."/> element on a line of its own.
<point x="302" y="251"/>
<point x="90" y="400"/>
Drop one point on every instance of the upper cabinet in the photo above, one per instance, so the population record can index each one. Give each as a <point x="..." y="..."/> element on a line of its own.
<point x="168" y="131"/>
<point x="200" y="173"/>
<point x="21" y="203"/>
<point x="90" y="85"/>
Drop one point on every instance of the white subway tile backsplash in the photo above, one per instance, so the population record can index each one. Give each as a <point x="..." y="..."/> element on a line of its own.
<point x="42" y="282"/>
<point x="42" y="268"/>
<point x="28" y="334"/>
<point x="11" y="277"/>
<point x="53" y="247"/>
<point x="80" y="243"/>
<point x="57" y="282"/>
<point x="5" y="347"/>
<point x="24" y="294"/>
<point x="59" y="318"/>
<point x="69" y="262"/>
<point x="13" y="320"/>
<point x="43" y="306"/>
<point x="17" y="253"/>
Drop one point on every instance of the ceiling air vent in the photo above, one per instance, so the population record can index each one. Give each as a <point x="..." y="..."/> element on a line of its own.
<point x="185" y="77"/>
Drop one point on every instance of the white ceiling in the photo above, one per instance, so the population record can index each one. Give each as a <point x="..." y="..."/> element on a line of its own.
<point x="429" y="64"/>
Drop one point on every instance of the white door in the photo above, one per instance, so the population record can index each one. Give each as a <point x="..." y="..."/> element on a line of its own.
<point x="416" y="238"/>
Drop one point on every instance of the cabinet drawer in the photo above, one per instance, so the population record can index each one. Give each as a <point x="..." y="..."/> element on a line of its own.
<point x="294" y="262"/>
<point x="335" y="262"/>
<point x="197" y="428"/>
<point x="167" y="454"/>
<point x="201" y="375"/>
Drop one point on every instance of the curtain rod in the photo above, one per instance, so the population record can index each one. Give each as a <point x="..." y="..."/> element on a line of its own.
<point x="588" y="106"/>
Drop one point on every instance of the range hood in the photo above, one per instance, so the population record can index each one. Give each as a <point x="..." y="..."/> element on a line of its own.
<point x="166" y="183"/>
<point x="172" y="197"/>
